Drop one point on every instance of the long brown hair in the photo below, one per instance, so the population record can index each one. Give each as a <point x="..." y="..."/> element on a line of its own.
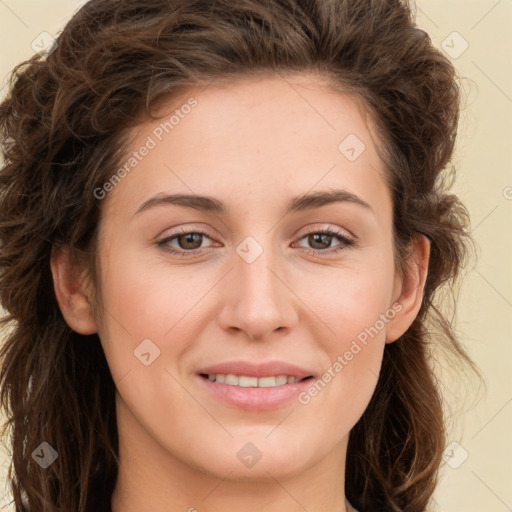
<point x="62" y="126"/>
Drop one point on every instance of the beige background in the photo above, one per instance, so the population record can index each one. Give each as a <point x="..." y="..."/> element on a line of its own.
<point x="481" y="483"/>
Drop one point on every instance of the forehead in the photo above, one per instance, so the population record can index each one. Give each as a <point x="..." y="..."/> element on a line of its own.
<point x="256" y="138"/>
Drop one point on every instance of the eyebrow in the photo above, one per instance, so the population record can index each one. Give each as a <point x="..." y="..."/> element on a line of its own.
<point x="296" y="204"/>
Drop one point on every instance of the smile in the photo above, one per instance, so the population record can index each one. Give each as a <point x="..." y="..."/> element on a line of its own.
<point x="246" y="381"/>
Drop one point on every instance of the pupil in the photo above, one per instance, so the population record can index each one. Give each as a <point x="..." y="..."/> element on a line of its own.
<point x="189" y="238"/>
<point x="316" y="238"/>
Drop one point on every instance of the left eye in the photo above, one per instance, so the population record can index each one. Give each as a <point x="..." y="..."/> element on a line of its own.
<point x="189" y="242"/>
<point x="324" y="239"/>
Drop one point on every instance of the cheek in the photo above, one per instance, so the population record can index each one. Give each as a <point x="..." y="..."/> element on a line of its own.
<point x="145" y="296"/>
<point x="353" y="360"/>
<point x="150" y="299"/>
<point x="350" y="303"/>
<point x="355" y="311"/>
<point x="139" y="305"/>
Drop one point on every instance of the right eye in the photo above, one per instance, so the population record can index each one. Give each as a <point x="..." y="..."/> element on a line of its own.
<point x="189" y="242"/>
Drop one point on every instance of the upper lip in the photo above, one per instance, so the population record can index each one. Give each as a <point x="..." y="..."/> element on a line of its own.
<point x="264" y="369"/>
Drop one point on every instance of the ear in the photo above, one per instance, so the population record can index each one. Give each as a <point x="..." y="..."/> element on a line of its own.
<point x="70" y="289"/>
<point x="409" y="288"/>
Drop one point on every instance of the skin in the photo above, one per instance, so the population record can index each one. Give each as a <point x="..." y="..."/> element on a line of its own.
<point x="254" y="145"/>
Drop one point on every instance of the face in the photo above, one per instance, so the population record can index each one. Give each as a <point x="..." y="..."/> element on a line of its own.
<point x="245" y="332"/>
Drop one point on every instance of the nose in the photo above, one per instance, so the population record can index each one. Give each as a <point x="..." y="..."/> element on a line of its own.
<point x="259" y="301"/>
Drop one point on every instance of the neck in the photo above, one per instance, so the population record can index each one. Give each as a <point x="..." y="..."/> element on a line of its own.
<point x="151" y="478"/>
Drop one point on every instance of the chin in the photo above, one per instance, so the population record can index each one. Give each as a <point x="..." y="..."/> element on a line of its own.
<point x="254" y="458"/>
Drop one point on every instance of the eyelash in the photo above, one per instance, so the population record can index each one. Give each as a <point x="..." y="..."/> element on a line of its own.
<point x="345" y="242"/>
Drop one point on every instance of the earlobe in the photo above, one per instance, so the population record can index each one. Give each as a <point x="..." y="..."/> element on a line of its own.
<point x="69" y="286"/>
<point x="410" y="288"/>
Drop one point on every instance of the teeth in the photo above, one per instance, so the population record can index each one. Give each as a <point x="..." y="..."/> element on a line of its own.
<point x="231" y="379"/>
<point x="267" y="382"/>
<point x="281" y="379"/>
<point x="245" y="381"/>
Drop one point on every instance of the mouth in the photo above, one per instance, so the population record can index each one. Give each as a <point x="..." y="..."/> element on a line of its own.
<point x="254" y="387"/>
<point x="247" y="381"/>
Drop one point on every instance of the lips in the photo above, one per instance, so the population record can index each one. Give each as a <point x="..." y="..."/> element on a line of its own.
<point x="267" y="369"/>
<point x="254" y="387"/>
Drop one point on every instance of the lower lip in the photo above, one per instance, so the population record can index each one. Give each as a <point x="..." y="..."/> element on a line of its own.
<point x="255" y="399"/>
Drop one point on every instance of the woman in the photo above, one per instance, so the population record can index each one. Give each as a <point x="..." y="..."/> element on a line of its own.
<point x="223" y="227"/>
